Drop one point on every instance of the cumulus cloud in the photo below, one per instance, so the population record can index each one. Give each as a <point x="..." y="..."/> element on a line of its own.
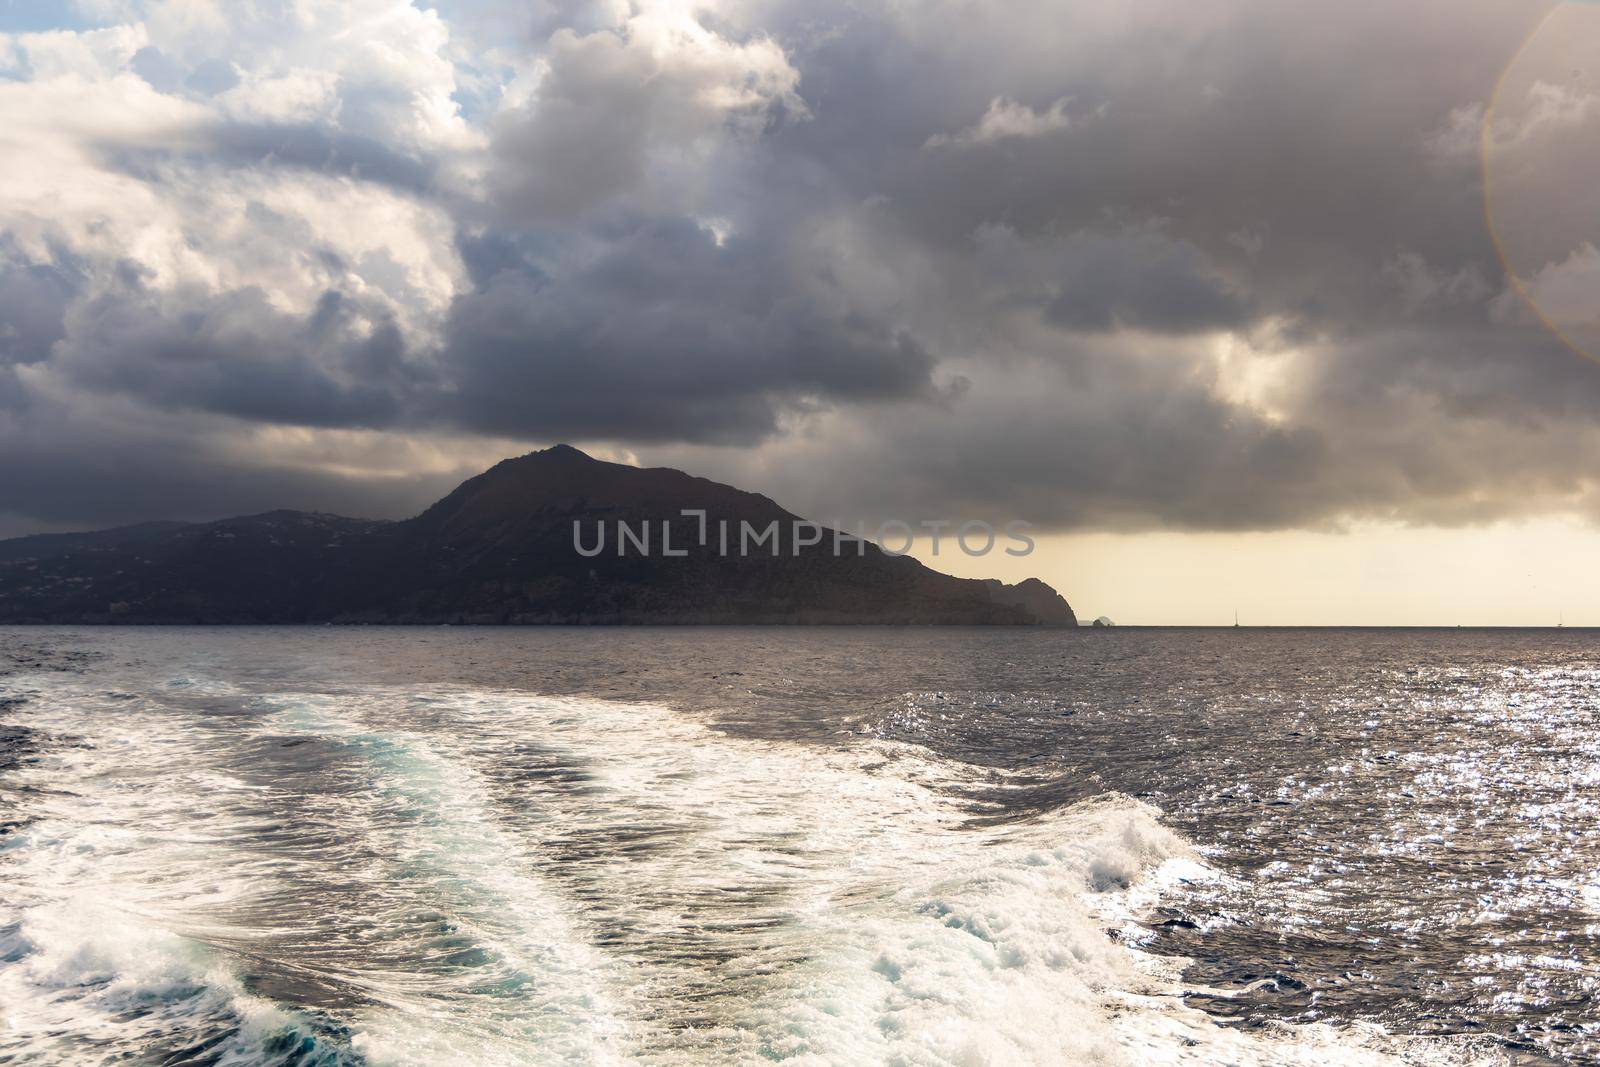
<point x="1005" y="119"/>
<point x="1101" y="265"/>
<point x="642" y="110"/>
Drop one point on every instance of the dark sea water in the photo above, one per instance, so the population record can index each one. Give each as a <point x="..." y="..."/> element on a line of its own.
<point x="830" y="846"/>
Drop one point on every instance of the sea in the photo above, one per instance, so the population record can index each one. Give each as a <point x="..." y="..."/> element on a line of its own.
<point x="853" y="846"/>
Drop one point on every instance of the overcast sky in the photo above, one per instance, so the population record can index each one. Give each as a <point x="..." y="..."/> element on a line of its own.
<point x="1165" y="271"/>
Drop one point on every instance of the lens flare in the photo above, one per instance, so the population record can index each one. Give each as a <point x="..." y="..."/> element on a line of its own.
<point x="1539" y="147"/>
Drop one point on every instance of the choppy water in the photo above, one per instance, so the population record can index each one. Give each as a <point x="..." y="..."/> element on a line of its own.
<point x="331" y="846"/>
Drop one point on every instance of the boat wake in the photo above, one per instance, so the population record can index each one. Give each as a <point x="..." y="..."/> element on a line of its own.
<point x="213" y="873"/>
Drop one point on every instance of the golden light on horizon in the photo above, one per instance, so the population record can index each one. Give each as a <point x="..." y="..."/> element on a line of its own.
<point x="1526" y="573"/>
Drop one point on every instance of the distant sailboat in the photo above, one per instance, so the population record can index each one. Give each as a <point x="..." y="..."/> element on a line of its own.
<point x="1235" y="618"/>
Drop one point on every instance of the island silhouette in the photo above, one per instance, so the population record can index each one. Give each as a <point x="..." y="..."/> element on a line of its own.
<point x="501" y="549"/>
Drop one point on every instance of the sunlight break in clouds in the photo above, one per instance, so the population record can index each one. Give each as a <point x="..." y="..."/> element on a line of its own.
<point x="988" y="261"/>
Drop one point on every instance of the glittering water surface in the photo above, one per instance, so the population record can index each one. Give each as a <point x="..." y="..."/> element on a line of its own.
<point x="330" y="846"/>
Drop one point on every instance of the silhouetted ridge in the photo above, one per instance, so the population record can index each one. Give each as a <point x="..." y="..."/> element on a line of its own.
<point x="500" y="549"/>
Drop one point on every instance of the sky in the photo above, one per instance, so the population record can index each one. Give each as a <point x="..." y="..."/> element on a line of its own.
<point x="1278" y="307"/>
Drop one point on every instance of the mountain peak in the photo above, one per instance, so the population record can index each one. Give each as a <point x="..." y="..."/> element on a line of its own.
<point x="563" y="451"/>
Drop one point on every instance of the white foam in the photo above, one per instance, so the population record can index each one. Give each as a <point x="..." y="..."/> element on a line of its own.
<point x="91" y="890"/>
<point x="772" y="902"/>
<point x="460" y="861"/>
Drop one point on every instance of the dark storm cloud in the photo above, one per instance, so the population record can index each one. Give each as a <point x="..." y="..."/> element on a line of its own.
<point x="1137" y="264"/>
<point x="81" y="470"/>
<point x="1098" y="460"/>
<point x="236" y="355"/>
<point x="1218" y="167"/>
<point x="1108" y="283"/>
<point x="1299" y="161"/>
<point x="1413" y="427"/>
<point x="668" y="336"/>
